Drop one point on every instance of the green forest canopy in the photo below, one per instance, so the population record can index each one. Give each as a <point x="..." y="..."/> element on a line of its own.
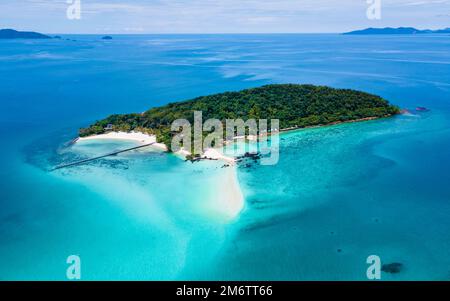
<point x="294" y="106"/>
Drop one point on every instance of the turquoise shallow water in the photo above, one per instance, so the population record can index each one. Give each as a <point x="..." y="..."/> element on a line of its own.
<point x="337" y="195"/>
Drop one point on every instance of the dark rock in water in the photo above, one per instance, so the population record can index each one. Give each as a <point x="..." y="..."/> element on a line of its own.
<point x="248" y="158"/>
<point x="422" y="109"/>
<point x="250" y="155"/>
<point x="107" y="38"/>
<point x="392" y="268"/>
<point x="198" y="158"/>
<point x="14" y="34"/>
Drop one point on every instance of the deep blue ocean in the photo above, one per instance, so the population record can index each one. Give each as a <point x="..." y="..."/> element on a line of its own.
<point x="337" y="195"/>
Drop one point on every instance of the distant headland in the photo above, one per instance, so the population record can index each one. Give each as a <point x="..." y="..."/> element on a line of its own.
<point x="14" y="34"/>
<point x="399" y="30"/>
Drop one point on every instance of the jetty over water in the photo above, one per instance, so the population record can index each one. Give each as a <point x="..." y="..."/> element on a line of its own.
<point x="100" y="157"/>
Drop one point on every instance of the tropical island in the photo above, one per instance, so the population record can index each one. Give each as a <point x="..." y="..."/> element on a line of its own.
<point x="296" y="106"/>
<point x="399" y="30"/>
<point x="14" y="34"/>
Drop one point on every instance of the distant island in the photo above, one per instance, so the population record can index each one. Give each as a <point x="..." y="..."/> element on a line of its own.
<point x="400" y="30"/>
<point x="14" y="34"/>
<point x="296" y="106"/>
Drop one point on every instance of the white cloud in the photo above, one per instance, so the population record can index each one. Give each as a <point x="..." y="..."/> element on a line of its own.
<point x="423" y="3"/>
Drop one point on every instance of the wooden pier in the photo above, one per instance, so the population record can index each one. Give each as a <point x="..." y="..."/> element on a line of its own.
<point x="100" y="157"/>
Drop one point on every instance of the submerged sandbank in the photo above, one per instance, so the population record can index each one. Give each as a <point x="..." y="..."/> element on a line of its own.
<point x="227" y="191"/>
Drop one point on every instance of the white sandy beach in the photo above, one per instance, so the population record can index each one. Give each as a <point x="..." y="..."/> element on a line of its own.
<point x="210" y="153"/>
<point x="132" y="136"/>
<point x="182" y="153"/>
<point x="228" y="193"/>
<point x="216" y="154"/>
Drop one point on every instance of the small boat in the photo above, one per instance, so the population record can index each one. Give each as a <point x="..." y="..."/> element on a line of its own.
<point x="422" y="109"/>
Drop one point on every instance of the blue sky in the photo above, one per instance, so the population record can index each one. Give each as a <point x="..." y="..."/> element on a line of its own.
<point x="214" y="16"/>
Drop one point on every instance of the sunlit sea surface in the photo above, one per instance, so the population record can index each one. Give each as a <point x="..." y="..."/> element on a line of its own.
<point x="337" y="195"/>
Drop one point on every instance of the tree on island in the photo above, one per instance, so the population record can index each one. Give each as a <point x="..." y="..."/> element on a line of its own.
<point x="296" y="106"/>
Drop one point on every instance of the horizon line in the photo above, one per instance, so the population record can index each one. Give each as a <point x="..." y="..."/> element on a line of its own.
<point x="193" y="33"/>
<point x="208" y="33"/>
